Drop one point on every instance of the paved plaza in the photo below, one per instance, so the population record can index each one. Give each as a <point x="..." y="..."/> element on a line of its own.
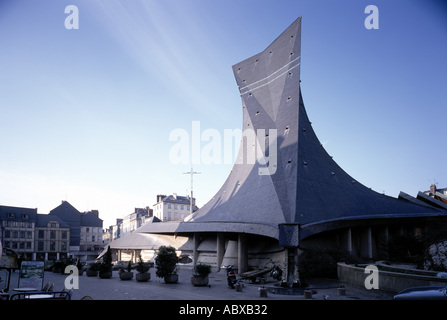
<point x="156" y="289"/>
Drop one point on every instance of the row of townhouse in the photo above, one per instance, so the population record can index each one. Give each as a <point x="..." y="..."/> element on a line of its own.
<point x="174" y="207"/>
<point x="62" y="233"/>
<point x="167" y="208"/>
<point x="128" y="224"/>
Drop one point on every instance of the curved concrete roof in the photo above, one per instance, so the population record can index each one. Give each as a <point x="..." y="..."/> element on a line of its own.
<point x="302" y="184"/>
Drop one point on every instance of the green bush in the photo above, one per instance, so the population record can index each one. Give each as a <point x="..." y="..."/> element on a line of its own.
<point x="202" y="270"/>
<point x="106" y="264"/>
<point x="142" y="267"/>
<point x="166" y="261"/>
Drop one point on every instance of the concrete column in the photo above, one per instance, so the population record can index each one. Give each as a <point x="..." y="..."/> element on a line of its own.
<point x="387" y="239"/>
<point x="196" y="241"/>
<point x="370" y="243"/>
<point x="242" y="253"/>
<point x="367" y="243"/>
<point x="220" y="249"/>
<point x="349" y="240"/>
<point x="291" y="255"/>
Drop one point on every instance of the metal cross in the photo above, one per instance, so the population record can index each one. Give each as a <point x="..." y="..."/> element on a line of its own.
<point x="192" y="173"/>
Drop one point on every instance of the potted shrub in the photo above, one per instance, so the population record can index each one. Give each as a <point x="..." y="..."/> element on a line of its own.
<point x="126" y="274"/>
<point x="200" y="274"/>
<point x="165" y="263"/>
<point x="105" y="268"/>
<point x="93" y="269"/>
<point x="142" y="268"/>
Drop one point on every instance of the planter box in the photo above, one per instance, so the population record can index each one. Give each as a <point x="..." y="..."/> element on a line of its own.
<point x="172" y="278"/>
<point x="199" y="281"/>
<point x="142" y="277"/>
<point x="126" y="275"/>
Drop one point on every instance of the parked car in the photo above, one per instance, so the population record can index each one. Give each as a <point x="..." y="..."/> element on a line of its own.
<point x="423" y="293"/>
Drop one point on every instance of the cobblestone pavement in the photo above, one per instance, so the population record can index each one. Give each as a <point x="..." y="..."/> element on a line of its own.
<point x="156" y="289"/>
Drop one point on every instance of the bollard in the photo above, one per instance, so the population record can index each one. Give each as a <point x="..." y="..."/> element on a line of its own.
<point x="307" y="294"/>
<point x="263" y="292"/>
<point x="341" y="291"/>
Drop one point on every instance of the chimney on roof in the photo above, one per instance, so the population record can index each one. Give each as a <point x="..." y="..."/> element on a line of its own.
<point x="160" y="197"/>
<point x="433" y="189"/>
<point x="175" y="196"/>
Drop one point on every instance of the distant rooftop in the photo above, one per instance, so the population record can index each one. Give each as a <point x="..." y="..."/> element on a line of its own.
<point x="174" y="198"/>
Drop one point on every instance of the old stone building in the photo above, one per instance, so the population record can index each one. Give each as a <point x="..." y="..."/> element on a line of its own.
<point x="34" y="236"/>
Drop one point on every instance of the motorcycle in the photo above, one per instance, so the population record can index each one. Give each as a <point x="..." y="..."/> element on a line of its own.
<point x="231" y="277"/>
<point x="276" y="273"/>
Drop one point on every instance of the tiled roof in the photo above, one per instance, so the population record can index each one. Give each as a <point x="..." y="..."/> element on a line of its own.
<point x="177" y="199"/>
<point x="303" y="185"/>
<point x="43" y="219"/>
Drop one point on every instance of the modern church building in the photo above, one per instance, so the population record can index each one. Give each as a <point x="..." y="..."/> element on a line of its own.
<point x="293" y="198"/>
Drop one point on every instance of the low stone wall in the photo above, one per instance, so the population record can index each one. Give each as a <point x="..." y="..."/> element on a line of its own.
<point x="388" y="281"/>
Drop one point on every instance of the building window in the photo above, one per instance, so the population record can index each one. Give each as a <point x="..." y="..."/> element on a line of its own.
<point x="52" y="234"/>
<point x="11" y="215"/>
<point x="40" y="246"/>
<point x="52" y="246"/>
<point x="41" y="234"/>
<point x="64" y="234"/>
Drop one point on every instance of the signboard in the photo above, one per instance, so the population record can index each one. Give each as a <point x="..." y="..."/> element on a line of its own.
<point x="31" y="274"/>
<point x="8" y="258"/>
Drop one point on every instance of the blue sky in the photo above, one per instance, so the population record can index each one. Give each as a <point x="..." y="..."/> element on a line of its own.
<point x="86" y="113"/>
